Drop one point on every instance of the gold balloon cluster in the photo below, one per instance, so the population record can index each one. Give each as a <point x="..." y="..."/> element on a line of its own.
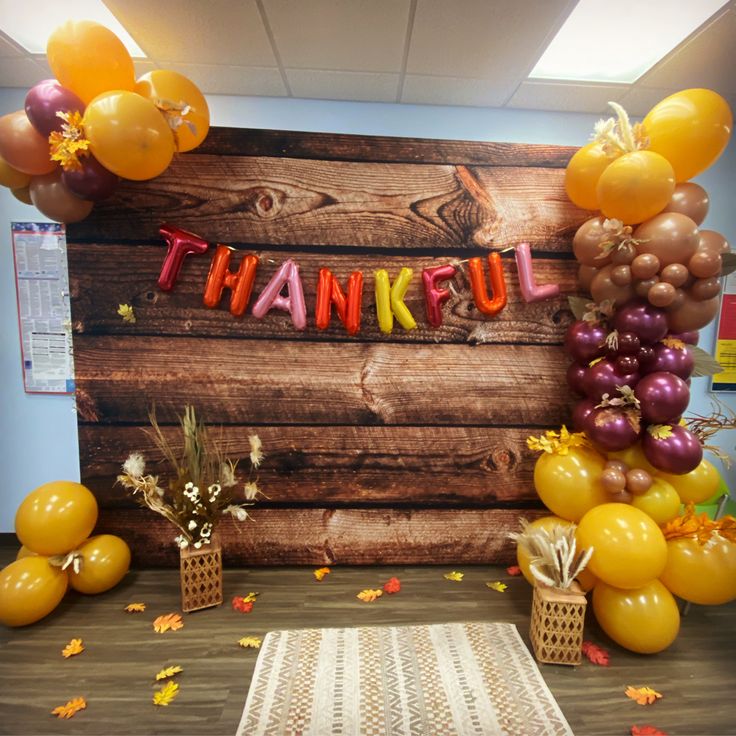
<point x="95" y="124"/>
<point x="53" y="524"/>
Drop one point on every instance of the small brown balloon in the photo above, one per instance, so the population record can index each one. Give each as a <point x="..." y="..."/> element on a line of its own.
<point x="670" y="236"/>
<point x="689" y="199"/>
<point x="642" y="287"/>
<point x="623" y="255"/>
<point x="678" y="300"/>
<point x="619" y="465"/>
<point x="704" y="289"/>
<point x="621" y="275"/>
<point x="613" y="481"/>
<point x="603" y="288"/>
<point x="644" y="266"/>
<point x="713" y="241"/>
<point x="661" y="294"/>
<point x="621" y="497"/>
<point x="585" y="276"/>
<point x="705" y="264"/>
<point x="53" y="199"/>
<point x="675" y="274"/>
<point x="587" y="240"/>
<point x="638" y="481"/>
<point x="692" y="314"/>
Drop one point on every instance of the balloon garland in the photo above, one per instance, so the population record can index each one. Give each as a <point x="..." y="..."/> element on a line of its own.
<point x="95" y="124"/>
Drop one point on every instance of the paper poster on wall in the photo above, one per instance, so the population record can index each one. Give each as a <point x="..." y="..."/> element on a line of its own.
<point x="44" y="316"/>
<point x="726" y="338"/>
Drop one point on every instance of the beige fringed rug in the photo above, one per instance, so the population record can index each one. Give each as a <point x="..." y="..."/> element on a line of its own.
<point x="472" y="678"/>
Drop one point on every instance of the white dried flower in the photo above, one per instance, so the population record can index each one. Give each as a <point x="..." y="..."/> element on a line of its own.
<point x="206" y="530"/>
<point x="227" y="473"/>
<point x="192" y="525"/>
<point x="256" y="452"/>
<point x="251" y="490"/>
<point x="197" y="545"/>
<point x="214" y="491"/>
<point x="135" y="465"/>
<point x="237" y="512"/>
<point x="181" y="540"/>
<point x="191" y="492"/>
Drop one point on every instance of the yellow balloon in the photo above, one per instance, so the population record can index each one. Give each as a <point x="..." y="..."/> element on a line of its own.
<point x="25" y="552"/>
<point x="56" y="517"/>
<point x="582" y="174"/>
<point x="128" y="135"/>
<point x="29" y="590"/>
<point x="629" y="548"/>
<point x="690" y="129"/>
<point x="636" y="186"/>
<point x="701" y="573"/>
<point x="634" y="457"/>
<point x="660" y="501"/>
<point x="696" y="486"/>
<point x="165" y="87"/>
<point x="12" y="178"/>
<point x="105" y="560"/>
<point x="569" y="485"/>
<point x="88" y="59"/>
<point x="643" y="620"/>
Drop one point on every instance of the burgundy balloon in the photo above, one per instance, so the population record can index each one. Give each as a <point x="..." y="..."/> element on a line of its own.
<point x="662" y="396"/>
<point x="678" y="454"/>
<point x="677" y="361"/>
<point x="628" y="343"/>
<point x="646" y="357"/>
<point x="690" y="338"/>
<point x="47" y="98"/>
<point x="575" y="375"/>
<point x="93" y="181"/>
<point x="585" y="340"/>
<point x="610" y="429"/>
<point x="644" y="320"/>
<point x="626" y="364"/>
<point x="602" y="378"/>
<point x="580" y="412"/>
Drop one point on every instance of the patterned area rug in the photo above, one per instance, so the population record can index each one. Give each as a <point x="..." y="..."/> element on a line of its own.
<point x="472" y="678"/>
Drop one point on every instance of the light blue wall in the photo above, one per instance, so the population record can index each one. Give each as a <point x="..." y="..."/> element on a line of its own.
<point x="39" y="436"/>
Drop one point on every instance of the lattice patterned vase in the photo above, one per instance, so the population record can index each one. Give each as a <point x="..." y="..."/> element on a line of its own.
<point x="201" y="576"/>
<point x="557" y="624"/>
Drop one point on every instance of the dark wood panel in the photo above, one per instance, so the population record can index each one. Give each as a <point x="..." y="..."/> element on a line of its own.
<point x="463" y="466"/>
<point x="105" y="276"/>
<point x="325" y="536"/>
<point x="232" y="381"/>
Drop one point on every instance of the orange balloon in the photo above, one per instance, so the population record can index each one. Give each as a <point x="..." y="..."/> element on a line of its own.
<point x="12" y="178"/>
<point x="105" y="560"/>
<point x="30" y="589"/>
<point x="22" y="147"/>
<point x="582" y="174"/>
<point x="660" y="501"/>
<point x="56" y="517"/>
<point x="23" y="195"/>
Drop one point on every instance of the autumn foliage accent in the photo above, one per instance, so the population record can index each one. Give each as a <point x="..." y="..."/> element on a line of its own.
<point x="73" y="648"/>
<point x="368" y="595"/>
<point x="320" y="574"/>
<point x="698" y="526"/>
<point x="250" y="642"/>
<point x="642" y="695"/>
<point x="646" y="731"/>
<point x="135" y="608"/>
<point x="498" y="586"/>
<point x="597" y="655"/>
<point x="169" y="621"/>
<point x="244" y="604"/>
<point x="69" y="709"/>
<point x="168" y="672"/>
<point x="513" y="570"/>
<point x="392" y="585"/>
<point x="166" y="694"/>
<point x="455" y="576"/>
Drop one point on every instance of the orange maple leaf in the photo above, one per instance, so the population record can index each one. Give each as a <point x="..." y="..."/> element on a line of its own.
<point x="320" y="574"/>
<point x="646" y="731"/>
<point x="698" y="526"/>
<point x="368" y="595"/>
<point x="75" y="646"/>
<point x="513" y="570"/>
<point x="642" y="695"/>
<point x="70" y="708"/>
<point x="596" y="654"/>
<point x="168" y="621"/>
<point x="135" y="608"/>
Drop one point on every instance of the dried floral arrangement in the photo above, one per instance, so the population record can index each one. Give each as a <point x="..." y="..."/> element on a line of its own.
<point x="203" y="485"/>
<point x="553" y="557"/>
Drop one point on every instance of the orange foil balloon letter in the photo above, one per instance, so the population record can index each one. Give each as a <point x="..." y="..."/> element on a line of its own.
<point x="239" y="282"/>
<point x="488" y="306"/>
<point x="348" y="308"/>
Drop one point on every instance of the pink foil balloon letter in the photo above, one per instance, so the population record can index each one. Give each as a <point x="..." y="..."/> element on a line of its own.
<point x="434" y="296"/>
<point x="271" y="298"/>
<point x="529" y="289"/>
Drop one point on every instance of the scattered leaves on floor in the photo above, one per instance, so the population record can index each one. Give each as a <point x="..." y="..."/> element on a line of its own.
<point x="242" y="605"/>
<point x="319" y="575"/>
<point x="513" y="570"/>
<point x="368" y="595"/>
<point x="597" y="655"/>
<point x="456" y="576"/>
<point x="169" y="621"/>
<point x="392" y="585"/>
<point x="166" y="694"/>
<point x="250" y="642"/>
<point x="70" y="708"/>
<point x="642" y="695"/>
<point x="496" y="585"/>
<point x="73" y="648"/>
<point x="646" y="731"/>
<point x="127" y="313"/>
<point x="168" y="672"/>
<point x="135" y="608"/>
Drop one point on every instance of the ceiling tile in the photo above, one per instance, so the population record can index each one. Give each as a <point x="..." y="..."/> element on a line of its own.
<point x="353" y="35"/>
<point x="21" y="72"/>
<point x="707" y="60"/>
<point x="329" y="85"/>
<point x="560" y="96"/>
<point x="426" y="90"/>
<point x="197" y="31"/>
<point x="7" y="48"/>
<point x="639" y="100"/>
<point x="232" y="80"/>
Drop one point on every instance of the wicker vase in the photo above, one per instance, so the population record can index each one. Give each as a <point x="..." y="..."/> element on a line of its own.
<point x="201" y="576"/>
<point x="557" y="624"/>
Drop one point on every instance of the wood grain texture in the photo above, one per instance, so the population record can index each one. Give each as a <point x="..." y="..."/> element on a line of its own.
<point x="105" y="276"/>
<point x="119" y="377"/>
<point x="400" y="466"/>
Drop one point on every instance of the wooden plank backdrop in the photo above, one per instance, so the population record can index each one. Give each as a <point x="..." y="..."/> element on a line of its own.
<point x="401" y="448"/>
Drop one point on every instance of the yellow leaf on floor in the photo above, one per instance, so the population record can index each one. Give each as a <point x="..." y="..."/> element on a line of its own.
<point x="500" y="587"/>
<point x="320" y="574"/>
<point x="456" y="576"/>
<point x="75" y="646"/>
<point x="168" y="621"/>
<point x="250" y="598"/>
<point x="168" y="672"/>
<point x="166" y="694"/>
<point x="368" y="595"/>
<point x="70" y="708"/>
<point x="135" y="608"/>
<point x="250" y="642"/>
<point x="642" y="695"/>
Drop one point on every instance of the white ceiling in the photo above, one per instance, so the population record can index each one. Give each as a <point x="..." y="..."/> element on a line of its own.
<point x="441" y="52"/>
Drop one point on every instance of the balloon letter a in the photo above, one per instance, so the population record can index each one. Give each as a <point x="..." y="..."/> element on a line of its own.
<point x="270" y="297"/>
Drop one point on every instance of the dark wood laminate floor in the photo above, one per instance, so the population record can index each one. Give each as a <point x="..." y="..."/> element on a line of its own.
<point x="697" y="675"/>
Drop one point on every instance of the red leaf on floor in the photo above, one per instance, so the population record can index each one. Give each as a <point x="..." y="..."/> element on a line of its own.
<point x="241" y="605"/>
<point x="513" y="570"/>
<point x="392" y="585"/>
<point x="646" y="731"/>
<point x="596" y="654"/>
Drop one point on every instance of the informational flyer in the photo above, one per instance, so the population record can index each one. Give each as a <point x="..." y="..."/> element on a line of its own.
<point x="44" y="315"/>
<point x="726" y="338"/>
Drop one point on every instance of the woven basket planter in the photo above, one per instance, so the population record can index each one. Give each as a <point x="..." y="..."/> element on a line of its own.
<point x="201" y="576"/>
<point x="557" y="624"/>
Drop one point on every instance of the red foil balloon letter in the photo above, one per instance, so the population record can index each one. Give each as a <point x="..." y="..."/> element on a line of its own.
<point x="529" y="289"/>
<point x="271" y="298"/>
<point x="348" y="308"/>
<point x="491" y="307"/>
<point x="180" y="245"/>
<point x="435" y="297"/>
<point x="221" y="277"/>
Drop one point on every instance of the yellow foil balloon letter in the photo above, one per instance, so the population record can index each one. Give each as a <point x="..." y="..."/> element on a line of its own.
<point x="398" y="292"/>
<point x="383" y="301"/>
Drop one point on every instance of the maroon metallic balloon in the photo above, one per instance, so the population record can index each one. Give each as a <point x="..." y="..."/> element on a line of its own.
<point x="690" y="338"/>
<point x="610" y="428"/>
<point x="644" y="320"/>
<point x="602" y="378"/>
<point x="678" y="454"/>
<point x="585" y="340"/>
<point x="93" y="181"/>
<point x="575" y="378"/>
<point x="662" y="396"/>
<point x="580" y="412"/>
<point x="47" y="98"/>
<point x="679" y="361"/>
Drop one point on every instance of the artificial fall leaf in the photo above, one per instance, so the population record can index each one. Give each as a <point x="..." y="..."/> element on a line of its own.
<point x="168" y="621"/>
<point x="673" y="342"/>
<point x="74" y="647"/>
<point x="250" y="642"/>
<point x="70" y="708"/>
<point x="500" y="587"/>
<point x="642" y="695"/>
<point x="456" y="576"/>
<point x="392" y="585"/>
<point x="513" y="570"/>
<point x="135" y="608"/>
<point x="646" y="731"/>
<point x="242" y="605"/>
<point x="660" y="431"/>
<point x="168" y="672"/>
<point x="557" y="443"/>
<point x="596" y="654"/>
<point x="166" y="694"/>
<point x="127" y="313"/>
<point x="698" y="526"/>
<point x="368" y="595"/>
<point x="320" y="574"/>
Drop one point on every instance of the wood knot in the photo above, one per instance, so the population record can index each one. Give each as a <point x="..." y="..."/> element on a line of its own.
<point x="266" y="203"/>
<point x="151" y="297"/>
<point x="501" y="459"/>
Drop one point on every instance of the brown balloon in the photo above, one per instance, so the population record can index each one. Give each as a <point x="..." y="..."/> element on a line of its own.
<point x="621" y="497"/>
<point x="704" y="289"/>
<point x="670" y="236"/>
<point x="675" y="274"/>
<point x="617" y="465"/>
<point x="602" y="288"/>
<point x="623" y="255"/>
<point x="22" y="195"/>
<point x="22" y="146"/>
<point x="678" y="300"/>
<point x="613" y="481"/>
<point x="644" y="266"/>
<point x="53" y="199"/>
<point x="692" y="314"/>
<point x="621" y="275"/>
<point x="642" y="287"/>
<point x="713" y="241"/>
<point x="704" y="264"/>
<point x="586" y="243"/>
<point x="638" y="481"/>
<point x="585" y="276"/>
<point x="691" y="200"/>
<point x="661" y="294"/>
